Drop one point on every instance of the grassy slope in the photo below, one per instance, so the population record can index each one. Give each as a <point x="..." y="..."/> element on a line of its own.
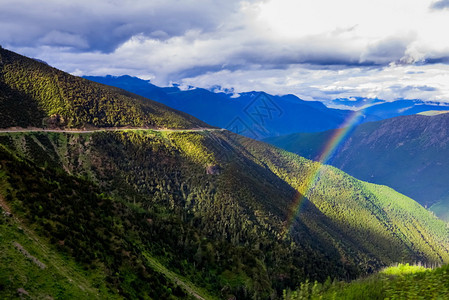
<point x="35" y="94"/>
<point x="346" y="227"/>
<point x="400" y="282"/>
<point x="58" y="219"/>
<point x="61" y="278"/>
<point x="406" y="153"/>
<point x="356" y="206"/>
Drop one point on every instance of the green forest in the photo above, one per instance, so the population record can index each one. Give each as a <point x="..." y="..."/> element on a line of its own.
<point x="407" y="153"/>
<point x="207" y="214"/>
<point x="134" y="200"/>
<point x="35" y="94"/>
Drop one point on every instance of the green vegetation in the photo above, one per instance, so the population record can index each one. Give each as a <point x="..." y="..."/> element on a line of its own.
<point x="95" y="231"/>
<point x="403" y="269"/>
<point x="372" y="215"/>
<point x="143" y="214"/>
<point x="222" y="235"/>
<point x="35" y="94"/>
<point x="406" y="153"/>
<point x="401" y="282"/>
<point x="60" y="278"/>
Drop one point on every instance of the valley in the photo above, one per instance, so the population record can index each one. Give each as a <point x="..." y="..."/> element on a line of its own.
<point x="123" y="197"/>
<point x="407" y="153"/>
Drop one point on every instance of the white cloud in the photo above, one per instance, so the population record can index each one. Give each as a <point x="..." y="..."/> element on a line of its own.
<point x="316" y="49"/>
<point x="411" y="82"/>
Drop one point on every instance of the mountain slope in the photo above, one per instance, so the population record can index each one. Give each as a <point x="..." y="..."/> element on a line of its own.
<point x="253" y="114"/>
<point x="403" y="108"/>
<point x="399" y="282"/>
<point x="35" y="94"/>
<point x="345" y="227"/>
<point x="408" y="153"/>
<point x="50" y="207"/>
<point x="194" y="214"/>
<point x="32" y="266"/>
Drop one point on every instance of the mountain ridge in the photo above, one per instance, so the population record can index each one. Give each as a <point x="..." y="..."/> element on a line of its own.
<point x="254" y="114"/>
<point x="54" y="98"/>
<point x="395" y="152"/>
<point x="231" y="217"/>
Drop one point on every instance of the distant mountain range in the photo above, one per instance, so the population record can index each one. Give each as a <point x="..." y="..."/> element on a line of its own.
<point x="252" y="114"/>
<point x="397" y="108"/>
<point x="260" y="115"/>
<point x="387" y="109"/>
<point x="407" y="153"/>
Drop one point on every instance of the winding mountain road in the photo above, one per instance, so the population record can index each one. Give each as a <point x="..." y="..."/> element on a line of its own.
<point x="23" y="130"/>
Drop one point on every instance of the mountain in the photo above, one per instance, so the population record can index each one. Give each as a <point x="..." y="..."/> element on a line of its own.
<point x="35" y="94"/>
<point x="260" y="115"/>
<point x="182" y="212"/>
<point x="407" y="153"/>
<point x="403" y="108"/>
<point x="253" y="114"/>
<point x="146" y="199"/>
<point x="384" y="110"/>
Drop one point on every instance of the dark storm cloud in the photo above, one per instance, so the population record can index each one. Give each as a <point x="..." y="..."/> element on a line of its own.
<point x="322" y="52"/>
<point x="389" y="50"/>
<point x="103" y="25"/>
<point x="442" y="4"/>
<point x="196" y="71"/>
<point x="281" y="59"/>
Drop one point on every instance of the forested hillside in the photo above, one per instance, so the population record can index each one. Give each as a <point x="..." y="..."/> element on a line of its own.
<point x="149" y="201"/>
<point x="168" y="214"/>
<point x="407" y="153"/>
<point x="35" y="94"/>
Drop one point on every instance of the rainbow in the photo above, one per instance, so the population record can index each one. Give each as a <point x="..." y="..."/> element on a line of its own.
<point x="327" y="152"/>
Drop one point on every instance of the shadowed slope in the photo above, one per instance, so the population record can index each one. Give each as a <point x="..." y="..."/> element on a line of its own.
<point x="344" y="227"/>
<point x="35" y="94"/>
<point x="408" y="153"/>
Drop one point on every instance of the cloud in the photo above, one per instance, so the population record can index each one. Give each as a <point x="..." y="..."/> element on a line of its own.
<point x="58" y="38"/>
<point x="316" y="49"/>
<point x="409" y="88"/>
<point x="104" y="25"/>
<point x="386" y="51"/>
<point x="442" y="4"/>
<point x="389" y="83"/>
<point x="239" y="33"/>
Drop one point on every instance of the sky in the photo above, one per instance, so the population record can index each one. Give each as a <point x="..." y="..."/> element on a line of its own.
<point x="315" y="49"/>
